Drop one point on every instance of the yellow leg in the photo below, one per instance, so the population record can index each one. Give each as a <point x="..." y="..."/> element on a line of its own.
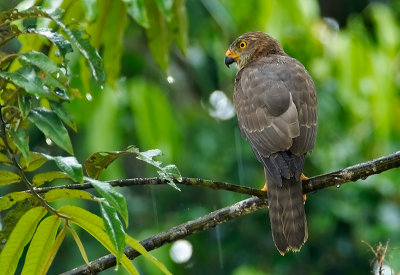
<point x="303" y="177"/>
<point x="264" y="188"/>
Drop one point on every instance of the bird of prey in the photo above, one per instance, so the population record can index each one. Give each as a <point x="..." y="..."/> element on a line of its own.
<point x="276" y="107"/>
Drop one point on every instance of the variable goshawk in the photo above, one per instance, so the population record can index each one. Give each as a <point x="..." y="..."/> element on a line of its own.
<point x="276" y="106"/>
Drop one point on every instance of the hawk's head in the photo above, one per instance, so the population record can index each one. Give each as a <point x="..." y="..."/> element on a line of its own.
<point x="251" y="46"/>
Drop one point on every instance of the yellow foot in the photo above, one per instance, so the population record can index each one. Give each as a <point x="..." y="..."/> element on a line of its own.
<point x="264" y="188"/>
<point x="303" y="177"/>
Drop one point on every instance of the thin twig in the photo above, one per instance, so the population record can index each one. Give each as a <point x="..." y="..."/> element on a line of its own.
<point x="339" y="177"/>
<point x="244" y="207"/>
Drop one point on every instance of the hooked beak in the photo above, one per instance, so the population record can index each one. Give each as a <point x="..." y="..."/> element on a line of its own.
<point x="230" y="57"/>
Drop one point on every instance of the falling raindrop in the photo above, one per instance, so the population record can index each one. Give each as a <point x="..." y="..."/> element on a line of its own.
<point x="89" y="97"/>
<point x="48" y="141"/>
<point x="220" y="255"/>
<point x="170" y="79"/>
<point x="58" y="75"/>
<point x="102" y="87"/>
<point x="338" y="186"/>
<point x="181" y="251"/>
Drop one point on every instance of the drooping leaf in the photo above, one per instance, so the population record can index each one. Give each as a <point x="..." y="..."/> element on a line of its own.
<point x="27" y="79"/>
<point x="53" y="250"/>
<point x="36" y="160"/>
<point x="114" y="228"/>
<point x="147" y="156"/>
<point x="63" y="45"/>
<point x="18" y="238"/>
<point x="89" y="53"/>
<point x="94" y="226"/>
<point x="112" y="37"/>
<point x="49" y="123"/>
<point x="69" y="165"/>
<point x="137" y="11"/>
<point x="90" y="8"/>
<point x="10" y="199"/>
<point x="172" y="170"/>
<point x="101" y="160"/>
<point x="41" y="244"/>
<point x="42" y="178"/>
<point x="139" y="248"/>
<point x="79" y="244"/>
<point x="157" y="35"/>
<point x="7" y="177"/>
<point x="178" y="25"/>
<point x="114" y="198"/>
<point x="21" y="141"/>
<point x="63" y="115"/>
<point x="57" y="194"/>
<point x="165" y="6"/>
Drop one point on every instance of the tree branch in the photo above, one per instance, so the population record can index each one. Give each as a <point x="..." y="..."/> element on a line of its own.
<point x="244" y="207"/>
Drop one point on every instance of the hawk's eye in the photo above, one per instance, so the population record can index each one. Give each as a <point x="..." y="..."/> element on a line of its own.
<point x="242" y="45"/>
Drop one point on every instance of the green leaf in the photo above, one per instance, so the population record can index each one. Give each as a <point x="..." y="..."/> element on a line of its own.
<point x="83" y="44"/>
<point x="97" y="162"/>
<point x="10" y="199"/>
<point x="89" y="53"/>
<point x="49" y="123"/>
<point x="41" y="244"/>
<point x="18" y="238"/>
<point x="94" y="225"/>
<point x="165" y="6"/>
<point x="178" y="25"/>
<point x="114" y="228"/>
<point x="4" y="159"/>
<point x="169" y="172"/>
<point x="7" y="177"/>
<point x="36" y="160"/>
<point x="157" y="35"/>
<point x="63" y="193"/>
<point x="21" y="141"/>
<point x="63" y="115"/>
<point x="42" y="178"/>
<point x="63" y="45"/>
<point x="90" y="8"/>
<point x="113" y="39"/>
<point x="137" y="11"/>
<point x="44" y="63"/>
<point x="139" y="248"/>
<point x="147" y="156"/>
<point x="114" y="198"/>
<point x="70" y="166"/>
<point x="27" y="79"/>
<point x="53" y="251"/>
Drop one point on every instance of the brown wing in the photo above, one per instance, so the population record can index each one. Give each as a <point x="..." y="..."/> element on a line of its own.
<point x="276" y="104"/>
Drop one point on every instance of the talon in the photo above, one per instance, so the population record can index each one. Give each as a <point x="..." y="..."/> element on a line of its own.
<point x="264" y="188"/>
<point x="303" y="177"/>
<point x="304" y="198"/>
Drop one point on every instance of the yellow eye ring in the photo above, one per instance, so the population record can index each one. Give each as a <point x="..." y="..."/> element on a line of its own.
<point x="242" y="45"/>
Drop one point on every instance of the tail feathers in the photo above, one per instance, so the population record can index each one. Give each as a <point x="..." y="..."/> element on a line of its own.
<point x="287" y="215"/>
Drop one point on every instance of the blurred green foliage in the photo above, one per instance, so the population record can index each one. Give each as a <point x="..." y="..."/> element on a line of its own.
<point x="357" y="74"/>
